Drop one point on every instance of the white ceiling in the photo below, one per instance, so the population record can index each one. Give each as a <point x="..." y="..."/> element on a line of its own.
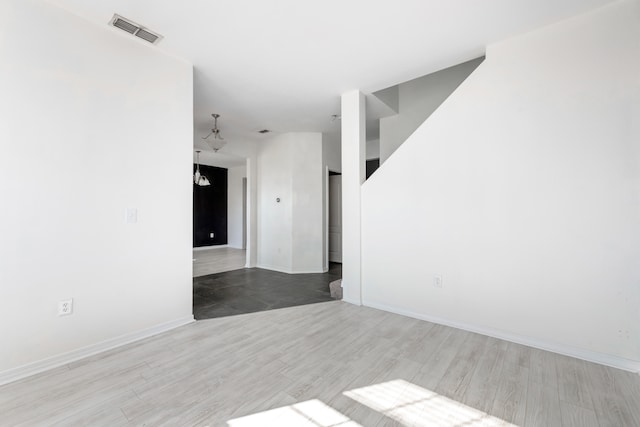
<point x="282" y="64"/>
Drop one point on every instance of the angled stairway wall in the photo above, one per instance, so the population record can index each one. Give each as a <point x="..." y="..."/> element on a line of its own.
<point x="523" y="192"/>
<point x="414" y="101"/>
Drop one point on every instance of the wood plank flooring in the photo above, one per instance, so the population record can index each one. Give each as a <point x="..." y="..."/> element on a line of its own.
<point x="327" y="364"/>
<point x="217" y="260"/>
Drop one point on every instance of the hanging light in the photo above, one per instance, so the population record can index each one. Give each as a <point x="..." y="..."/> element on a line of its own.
<point x="214" y="139"/>
<point x="198" y="178"/>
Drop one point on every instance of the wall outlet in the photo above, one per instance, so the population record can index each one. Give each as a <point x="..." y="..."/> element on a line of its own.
<point x="437" y="281"/>
<point x="212" y="235"/>
<point x="624" y="334"/>
<point x="65" y="307"/>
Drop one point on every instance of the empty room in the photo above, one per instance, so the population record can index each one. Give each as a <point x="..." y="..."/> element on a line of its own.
<point x="470" y="171"/>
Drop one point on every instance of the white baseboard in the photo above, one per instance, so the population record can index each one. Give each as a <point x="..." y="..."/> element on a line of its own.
<point x="272" y="268"/>
<point x="33" y="368"/>
<point x="284" y="270"/>
<point x="308" y="272"/>
<point x="204" y="248"/>
<point x="578" y="353"/>
<point x="358" y="303"/>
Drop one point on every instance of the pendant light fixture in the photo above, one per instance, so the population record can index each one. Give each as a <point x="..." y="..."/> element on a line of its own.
<point x="214" y="139"/>
<point x="198" y="178"/>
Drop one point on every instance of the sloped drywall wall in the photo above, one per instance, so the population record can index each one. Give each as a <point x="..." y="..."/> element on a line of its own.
<point x="523" y="192"/>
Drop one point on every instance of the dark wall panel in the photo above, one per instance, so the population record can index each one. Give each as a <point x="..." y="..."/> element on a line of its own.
<point x="210" y="208"/>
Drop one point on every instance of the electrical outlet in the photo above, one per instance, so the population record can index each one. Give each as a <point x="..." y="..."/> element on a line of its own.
<point x="65" y="307"/>
<point x="437" y="281"/>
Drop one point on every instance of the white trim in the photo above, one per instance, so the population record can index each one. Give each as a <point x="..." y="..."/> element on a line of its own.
<point x="33" y="368"/>
<point x="204" y="248"/>
<point x="567" y="350"/>
<point x="354" y="302"/>
<point x="269" y="267"/>
<point x="282" y="270"/>
<point x="325" y="247"/>
<point x="308" y="272"/>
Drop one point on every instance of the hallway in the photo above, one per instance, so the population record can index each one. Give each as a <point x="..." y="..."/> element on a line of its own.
<point x="250" y="290"/>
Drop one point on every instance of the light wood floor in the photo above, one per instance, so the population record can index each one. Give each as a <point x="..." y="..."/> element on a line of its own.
<point x="217" y="260"/>
<point x="327" y="364"/>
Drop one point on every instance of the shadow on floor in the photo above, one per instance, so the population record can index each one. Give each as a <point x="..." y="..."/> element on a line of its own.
<point x="253" y="289"/>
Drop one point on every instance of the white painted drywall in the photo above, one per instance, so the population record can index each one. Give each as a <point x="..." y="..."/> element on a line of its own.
<point x="275" y="216"/>
<point x="307" y="203"/>
<point x="353" y="175"/>
<point x="373" y="149"/>
<point x="235" y="175"/>
<point x="417" y="99"/>
<point x="331" y="153"/>
<point x="252" y="210"/>
<point x="91" y="122"/>
<point x="522" y="191"/>
<point x="290" y="232"/>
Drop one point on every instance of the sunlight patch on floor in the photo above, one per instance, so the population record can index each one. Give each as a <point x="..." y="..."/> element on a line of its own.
<point x="412" y="405"/>
<point x="311" y="413"/>
<point x="400" y="400"/>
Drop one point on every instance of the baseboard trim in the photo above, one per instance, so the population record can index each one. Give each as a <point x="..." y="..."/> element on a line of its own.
<point x="284" y="270"/>
<point x="39" y="366"/>
<point x="272" y="268"/>
<point x="204" y="248"/>
<point x="309" y="272"/>
<point x="358" y="303"/>
<point x="578" y="353"/>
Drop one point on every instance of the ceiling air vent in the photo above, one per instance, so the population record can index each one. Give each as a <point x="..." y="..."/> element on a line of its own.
<point x="135" y="29"/>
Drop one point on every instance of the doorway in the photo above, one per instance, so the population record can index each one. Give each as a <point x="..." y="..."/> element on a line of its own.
<point x="244" y="213"/>
<point x="335" y="217"/>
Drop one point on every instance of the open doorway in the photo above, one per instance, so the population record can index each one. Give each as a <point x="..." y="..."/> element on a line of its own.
<point x="244" y="212"/>
<point x="219" y="214"/>
<point x="335" y="217"/>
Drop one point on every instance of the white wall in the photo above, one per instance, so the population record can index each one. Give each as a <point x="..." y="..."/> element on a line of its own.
<point x="331" y="151"/>
<point x="275" y="166"/>
<point x="373" y="149"/>
<point x="353" y="110"/>
<point x="91" y="122"/>
<point x="252" y="211"/>
<point x="522" y="191"/>
<point x="307" y="197"/>
<point x="417" y="99"/>
<point x="235" y="177"/>
<point x="290" y="236"/>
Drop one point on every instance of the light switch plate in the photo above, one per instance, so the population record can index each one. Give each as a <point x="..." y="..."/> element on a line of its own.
<point x="131" y="215"/>
<point x="437" y="281"/>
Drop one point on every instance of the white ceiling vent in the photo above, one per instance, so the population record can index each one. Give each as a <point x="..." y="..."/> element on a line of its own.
<point x="132" y="28"/>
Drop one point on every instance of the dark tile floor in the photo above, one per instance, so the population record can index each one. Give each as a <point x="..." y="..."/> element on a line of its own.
<point x="253" y="289"/>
